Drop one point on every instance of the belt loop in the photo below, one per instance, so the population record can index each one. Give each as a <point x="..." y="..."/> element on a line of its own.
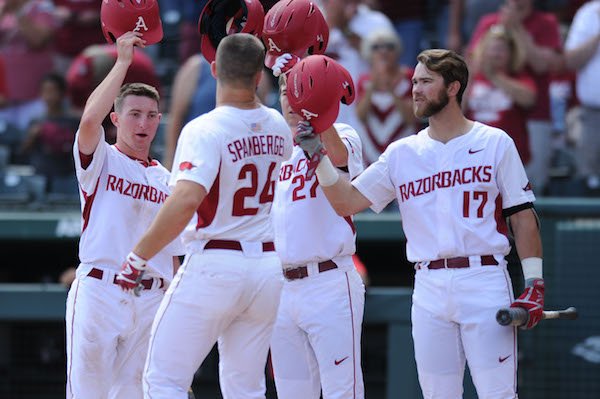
<point x="445" y="263"/>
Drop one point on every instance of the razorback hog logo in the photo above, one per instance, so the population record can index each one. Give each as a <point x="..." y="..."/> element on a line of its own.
<point x="186" y="166"/>
<point x="308" y="115"/>
<point x="140" y="24"/>
<point x="273" y="46"/>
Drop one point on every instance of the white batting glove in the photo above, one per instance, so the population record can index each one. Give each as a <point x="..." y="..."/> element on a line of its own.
<point x="284" y="63"/>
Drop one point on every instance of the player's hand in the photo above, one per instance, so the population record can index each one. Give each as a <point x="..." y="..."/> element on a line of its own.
<point x="132" y="271"/>
<point x="311" y="144"/>
<point x="125" y="44"/>
<point x="532" y="299"/>
<point x="284" y="63"/>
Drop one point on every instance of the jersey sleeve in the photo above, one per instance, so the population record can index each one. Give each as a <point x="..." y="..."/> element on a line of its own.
<point x="353" y="144"/>
<point x="197" y="156"/>
<point x="88" y="177"/>
<point x="375" y="183"/>
<point x="512" y="180"/>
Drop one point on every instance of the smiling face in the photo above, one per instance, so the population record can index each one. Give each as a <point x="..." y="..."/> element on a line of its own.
<point x="290" y="116"/>
<point x="429" y="92"/>
<point x="137" y="119"/>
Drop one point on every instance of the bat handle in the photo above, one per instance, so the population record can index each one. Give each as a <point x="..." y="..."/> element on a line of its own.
<point x="512" y="316"/>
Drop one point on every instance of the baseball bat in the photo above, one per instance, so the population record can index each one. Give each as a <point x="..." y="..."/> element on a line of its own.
<point x="520" y="316"/>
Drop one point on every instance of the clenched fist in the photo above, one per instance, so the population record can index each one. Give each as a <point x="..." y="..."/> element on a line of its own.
<point x="132" y="271"/>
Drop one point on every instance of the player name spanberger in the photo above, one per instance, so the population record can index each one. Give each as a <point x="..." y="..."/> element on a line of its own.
<point x="263" y="144"/>
<point x="135" y="190"/>
<point x="445" y="179"/>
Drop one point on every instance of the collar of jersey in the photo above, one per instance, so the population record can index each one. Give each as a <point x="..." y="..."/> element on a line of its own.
<point x="144" y="163"/>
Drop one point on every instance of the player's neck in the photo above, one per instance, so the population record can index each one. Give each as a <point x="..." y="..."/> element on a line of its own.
<point x="237" y="97"/>
<point x="448" y="124"/>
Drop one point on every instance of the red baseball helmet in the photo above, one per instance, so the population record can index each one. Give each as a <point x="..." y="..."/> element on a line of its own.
<point x="295" y="27"/>
<point x="120" y="16"/>
<point x="315" y="87"/>
<point x="220" y="18"/>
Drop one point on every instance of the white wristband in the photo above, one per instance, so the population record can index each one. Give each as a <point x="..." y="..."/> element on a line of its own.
<point x="136" y="261"/>
<point x="326" y="172"/>
<point x="532" y="268"/>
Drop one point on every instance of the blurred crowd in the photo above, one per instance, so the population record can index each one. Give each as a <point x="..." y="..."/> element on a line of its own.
<point x="534" y="69"/>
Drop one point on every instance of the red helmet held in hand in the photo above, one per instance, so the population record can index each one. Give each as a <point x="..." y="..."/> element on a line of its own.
<point x="315" y="87"/>
<point x="296" y="27"/>
<point x="120" y="16"/>
<point x="220" y="18"/>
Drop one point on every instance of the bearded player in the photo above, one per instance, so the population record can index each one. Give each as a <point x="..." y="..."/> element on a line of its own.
<point x="455" y="181"/>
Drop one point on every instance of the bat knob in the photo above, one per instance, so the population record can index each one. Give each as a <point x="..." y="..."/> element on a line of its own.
<point x="503" y="317"/>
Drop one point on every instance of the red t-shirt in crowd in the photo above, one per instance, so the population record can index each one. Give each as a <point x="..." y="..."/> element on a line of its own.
<point x="545" y="31"/>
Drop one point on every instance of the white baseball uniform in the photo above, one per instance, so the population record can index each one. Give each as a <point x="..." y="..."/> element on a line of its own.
<point x="228" y="288"/>
<point x="316" y="340"/>
<point x="108" y="329"/>
<point x="451" y="198"/>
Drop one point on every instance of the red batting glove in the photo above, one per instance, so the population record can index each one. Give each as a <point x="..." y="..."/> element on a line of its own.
<point x="532" y="299"/>
<point x="284" y="63"/>
<point x="130" y="276"/>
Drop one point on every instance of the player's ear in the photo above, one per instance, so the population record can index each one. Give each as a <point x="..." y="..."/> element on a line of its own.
<point x="453" y="88"/>
<point x="114" y="118"/>
<point x="213" y="69"/>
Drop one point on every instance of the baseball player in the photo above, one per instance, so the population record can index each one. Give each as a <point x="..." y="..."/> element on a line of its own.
<point x="316" y="340"/>
<point x="455" y="182"/>
<point x="228" y="287"/>
<point x="121" y="189"/>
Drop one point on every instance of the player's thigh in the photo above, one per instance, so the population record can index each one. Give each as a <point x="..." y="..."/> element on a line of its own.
<point x="490" y="349"/>
<point x="133" y="347"/>
<point x="200" y="302"/>
<point x="294" y="364"/>
<point x="94" y="317"/>
<point x="333" y="321"/>
<point x="438" y="353"/>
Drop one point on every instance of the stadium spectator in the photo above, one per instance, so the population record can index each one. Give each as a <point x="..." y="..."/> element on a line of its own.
<point x="384" y="94"/>
<point x="582" y="54"/>
<point x="539" y="33"/>
<point x="348" y="22"/>
<point x="27" y="29"/>
<point x="501" y="92"/>
<point x="49" y="141"/>
<point x="79" y="28"/>
<point x="408" y="18"/>
<point x="463" y="16"/>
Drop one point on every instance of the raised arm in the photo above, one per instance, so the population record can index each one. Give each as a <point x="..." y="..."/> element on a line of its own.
<point x="101" y="100"/>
